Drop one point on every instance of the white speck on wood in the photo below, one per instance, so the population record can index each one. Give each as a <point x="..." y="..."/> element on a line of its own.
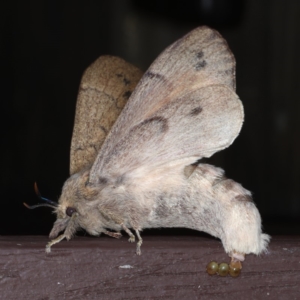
<point x="126" y="267"/>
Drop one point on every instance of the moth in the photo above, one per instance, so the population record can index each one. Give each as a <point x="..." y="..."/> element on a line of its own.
<point x="135" y="164"/>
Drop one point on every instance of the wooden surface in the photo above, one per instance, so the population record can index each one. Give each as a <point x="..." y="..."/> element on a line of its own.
<point x="170" y="267"/>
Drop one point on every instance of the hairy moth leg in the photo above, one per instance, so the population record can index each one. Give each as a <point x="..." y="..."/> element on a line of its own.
<point x="71" y="228"/>
<point x="131" y="236"/>
<point x="116" y="235"/>
<point x="139" y="243"/>
<point x="117" y="220"/>
<point x="53" y="242"/>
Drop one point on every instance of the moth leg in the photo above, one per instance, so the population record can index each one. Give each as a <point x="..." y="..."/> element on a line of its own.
<point x="131" y="236"/>
<point x="53" y="242"/>
<point x="109" y="216"/>
<point x="139" y="243"/>
<point x="116" y="235"/>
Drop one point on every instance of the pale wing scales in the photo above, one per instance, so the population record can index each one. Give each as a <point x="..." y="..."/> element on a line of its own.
<point x="197" y="125"/>
<point x="200" y="59"/>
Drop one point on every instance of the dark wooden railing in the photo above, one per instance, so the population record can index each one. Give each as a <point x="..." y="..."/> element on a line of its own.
<point x="170" y="267"/>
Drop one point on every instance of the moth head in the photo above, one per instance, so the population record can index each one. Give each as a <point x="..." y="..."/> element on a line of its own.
<point x="77" y="207"/>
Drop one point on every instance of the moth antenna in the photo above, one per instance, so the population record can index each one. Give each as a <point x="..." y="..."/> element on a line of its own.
<point x="49" y="203"/>
<point x="43" y="198"/>
<point x="39" y="205"/>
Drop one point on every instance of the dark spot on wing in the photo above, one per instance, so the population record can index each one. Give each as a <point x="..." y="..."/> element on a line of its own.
<point x="79" y="149"/>
<point x="94" y="146"/>
<point x="245" y="198"/>
<point x="163" y="123"/>
<point x="102" y="180"/>
<point x="152" y="75"/>
<point x="200" y="61"/>
<point x="200" y="54"/>
<point x="103" y="129"/>
<point x="200" y="65"/>
<point x="127" y="94"/>
<point x="195" y="111"/>
<point x="126" y="81"/>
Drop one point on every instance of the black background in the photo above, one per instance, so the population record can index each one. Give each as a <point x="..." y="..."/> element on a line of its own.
<point x="46" y="45"/>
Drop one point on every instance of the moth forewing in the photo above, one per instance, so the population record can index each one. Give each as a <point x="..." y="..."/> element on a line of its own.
<point x="105" y="87"/>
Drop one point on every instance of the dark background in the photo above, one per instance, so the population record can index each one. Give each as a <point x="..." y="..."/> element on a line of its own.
<point x="46" y="45"/>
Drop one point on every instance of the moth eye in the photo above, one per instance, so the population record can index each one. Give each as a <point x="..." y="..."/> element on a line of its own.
<point x="70" y="211"/>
